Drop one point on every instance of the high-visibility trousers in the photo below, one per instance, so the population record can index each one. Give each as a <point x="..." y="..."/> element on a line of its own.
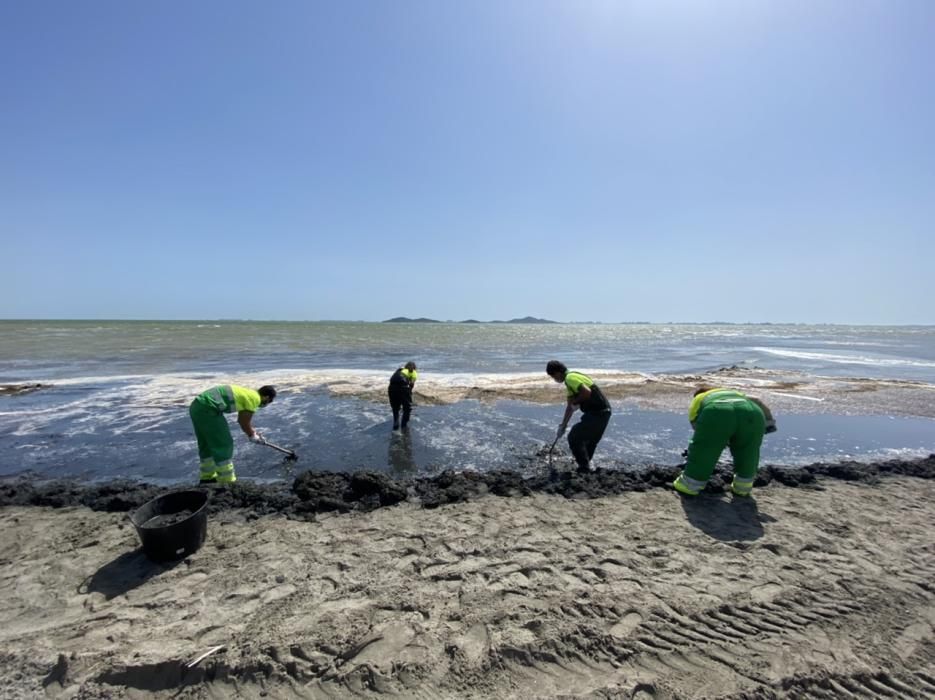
<point x="215" y="444"/>
<point x="735" y="424"/>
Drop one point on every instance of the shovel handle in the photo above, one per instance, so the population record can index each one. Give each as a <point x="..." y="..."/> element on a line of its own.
<point x="279" y="449"/>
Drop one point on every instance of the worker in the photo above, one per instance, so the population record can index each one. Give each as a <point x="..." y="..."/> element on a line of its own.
<point x="215" y="444"/>
<point x="724" y="418"/>
<point x="400" y="390"/>
<point x="581" y="392"/>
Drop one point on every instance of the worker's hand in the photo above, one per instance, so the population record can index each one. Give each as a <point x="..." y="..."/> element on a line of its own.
<point x="770" y="427"/>
<point x="685" y="452"/>
<point x="258" y="439"/>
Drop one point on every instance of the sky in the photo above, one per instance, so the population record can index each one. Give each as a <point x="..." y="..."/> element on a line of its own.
<point x="748" y="160"/>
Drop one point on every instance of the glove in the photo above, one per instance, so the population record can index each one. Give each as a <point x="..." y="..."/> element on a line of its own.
<point x="258" y="439"/>
<point x="685" y="452"/>
<point x="770" y="427"/>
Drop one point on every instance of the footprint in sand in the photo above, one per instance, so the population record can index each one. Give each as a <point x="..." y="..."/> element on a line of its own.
<point x="630" y="621"/>
<point x="766" y="592"/>
<point x="475" y="643"/>
<point x="278" y="593"/>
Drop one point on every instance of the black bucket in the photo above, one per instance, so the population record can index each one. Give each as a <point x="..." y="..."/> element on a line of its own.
<point x="173" y="525"/>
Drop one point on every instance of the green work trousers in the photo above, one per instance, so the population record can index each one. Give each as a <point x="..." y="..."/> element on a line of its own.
<point x="215" y="444"/>
<point x="738" y="425"/>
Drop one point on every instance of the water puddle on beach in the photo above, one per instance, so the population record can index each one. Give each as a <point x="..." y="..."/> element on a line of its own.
<point x="155" y="443"/>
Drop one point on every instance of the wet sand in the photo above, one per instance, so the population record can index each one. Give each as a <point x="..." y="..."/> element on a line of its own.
<point x="785" y="391"/>
<point x="486" y="586"/>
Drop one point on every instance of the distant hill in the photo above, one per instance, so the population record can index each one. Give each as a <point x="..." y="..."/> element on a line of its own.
<point x="530" y="319"/>
<point x="404" y="319"/>
<point x="526" y="319"/>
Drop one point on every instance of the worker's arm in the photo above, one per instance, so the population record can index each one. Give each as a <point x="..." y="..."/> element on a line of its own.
<point x="583" y="395"/>
<point x="766" y="412"/>
<point x="770" y="421"/>
<point x="245" y="420"/>
<point x="569" y="411"/>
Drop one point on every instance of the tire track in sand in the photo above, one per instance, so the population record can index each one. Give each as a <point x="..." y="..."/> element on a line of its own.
<point x="740" y="641"/>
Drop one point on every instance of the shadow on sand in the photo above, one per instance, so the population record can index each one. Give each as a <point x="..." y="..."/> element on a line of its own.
<point x="123" y="574"/>
<point x="726" y="519"/>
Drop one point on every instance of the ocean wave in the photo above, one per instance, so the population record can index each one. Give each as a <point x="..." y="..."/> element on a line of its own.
<point x="843" y="359"/>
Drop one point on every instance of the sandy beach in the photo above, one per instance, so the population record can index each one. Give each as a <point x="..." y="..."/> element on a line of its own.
<point x="821" y="590"/>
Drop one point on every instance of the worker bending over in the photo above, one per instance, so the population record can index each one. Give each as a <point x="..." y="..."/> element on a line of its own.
<point x="724" y="418"/>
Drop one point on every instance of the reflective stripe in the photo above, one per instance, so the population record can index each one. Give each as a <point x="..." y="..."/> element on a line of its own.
<point x="207" y="468"/>
<point x="726" y="400"/>
<point x="694" y="484"/>
<point x="228" y="398"/>
<point x="221" y="396"/>
<point x="741" y="486"/>
<point x="686" y="484"/>
<point x="226" y="474"/>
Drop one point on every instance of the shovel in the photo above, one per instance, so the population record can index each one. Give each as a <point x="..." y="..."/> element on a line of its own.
<point x="552" y="448"/>
<point x="291" y="456"/>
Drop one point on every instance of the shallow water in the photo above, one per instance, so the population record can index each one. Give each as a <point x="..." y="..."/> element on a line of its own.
<point x="350" y="434"/>
<point x="117" y="392"/>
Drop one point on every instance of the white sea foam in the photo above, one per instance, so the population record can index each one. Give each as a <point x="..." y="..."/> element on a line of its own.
<point x="172" y="389"/>
<point x="843" y="359"/>
<point x="130" y="404"/>
<point x="855" y="343"/>
<point x="797" y="396"/>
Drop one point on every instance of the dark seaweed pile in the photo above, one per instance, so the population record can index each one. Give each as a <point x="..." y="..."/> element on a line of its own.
<point x="318" y="492"/>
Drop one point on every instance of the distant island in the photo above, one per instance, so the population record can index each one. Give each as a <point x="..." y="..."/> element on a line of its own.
<point x="525" y="319"/>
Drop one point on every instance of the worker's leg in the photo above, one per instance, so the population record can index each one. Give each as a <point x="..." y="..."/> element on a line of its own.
<point x="713" y="430"/>
<point x="221" y="446"/>
<point x="599" y="426"/>
<point x="581" y="436"/>
<point x="407" y="408"/>
<point x="202" y="419"/>
<point x="395" y="403"/>
<point x="745" y="446"/>
<point x="577" y="438"/>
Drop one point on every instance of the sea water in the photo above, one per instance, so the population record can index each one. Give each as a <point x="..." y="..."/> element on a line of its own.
<point x="116" y="394"/>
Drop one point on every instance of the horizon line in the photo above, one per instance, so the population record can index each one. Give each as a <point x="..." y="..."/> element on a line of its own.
<point x="543" y="322"/>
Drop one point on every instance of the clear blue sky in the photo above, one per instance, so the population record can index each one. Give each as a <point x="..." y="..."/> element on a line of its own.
<point x="653" y="160"/>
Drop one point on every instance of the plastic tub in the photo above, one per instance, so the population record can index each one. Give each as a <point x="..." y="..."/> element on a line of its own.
<point x="173" y="525"/>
